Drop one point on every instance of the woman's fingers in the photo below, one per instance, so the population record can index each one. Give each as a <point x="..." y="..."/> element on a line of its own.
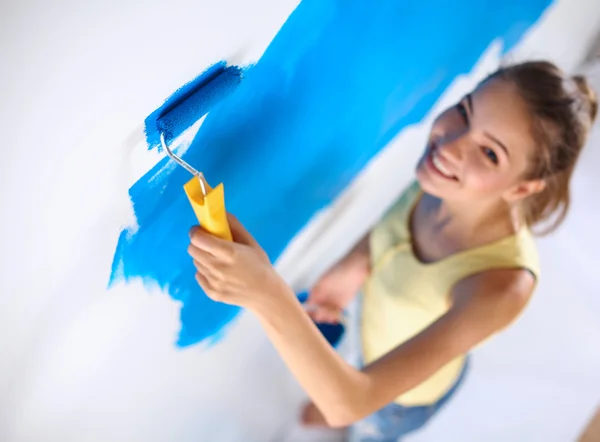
<point x="212" y="286"/>
<point x="324" y="314"/>
<point x="204" y="283"/>
<point x="320" y="308"/>
<point x="201" y="256"/>
<point x="209" y="243"/>
<point x="209" y="267"/>
<point x="203" y="269"/>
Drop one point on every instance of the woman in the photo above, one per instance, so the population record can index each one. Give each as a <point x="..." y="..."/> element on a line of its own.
<point x="451" y="264"/>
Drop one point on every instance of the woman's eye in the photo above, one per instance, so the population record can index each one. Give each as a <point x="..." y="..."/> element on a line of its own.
<point x="490" y="154"/>
<point x="462" y="110"/>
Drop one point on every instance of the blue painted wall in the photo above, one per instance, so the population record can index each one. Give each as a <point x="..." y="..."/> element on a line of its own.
<point x="339" y="80"/>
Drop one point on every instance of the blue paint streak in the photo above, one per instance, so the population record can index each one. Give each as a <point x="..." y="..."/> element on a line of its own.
<point x="164" y="218"/>
<point x="339" y="80"/>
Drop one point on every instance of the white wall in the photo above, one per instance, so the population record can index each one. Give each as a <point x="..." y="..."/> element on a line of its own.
<point x="78" y="78"/>
<point x="80" y="363"/>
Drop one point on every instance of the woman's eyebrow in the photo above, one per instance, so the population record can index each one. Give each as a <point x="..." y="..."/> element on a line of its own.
<point x="489" y="135"/>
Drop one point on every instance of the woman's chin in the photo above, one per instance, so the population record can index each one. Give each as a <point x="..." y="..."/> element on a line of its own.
<point x="427" y="184"/>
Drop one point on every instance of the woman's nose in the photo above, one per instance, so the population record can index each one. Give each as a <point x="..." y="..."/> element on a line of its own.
<point x="453" y="147"/>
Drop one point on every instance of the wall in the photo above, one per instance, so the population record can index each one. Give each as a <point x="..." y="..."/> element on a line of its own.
<point x="84" y="363"/>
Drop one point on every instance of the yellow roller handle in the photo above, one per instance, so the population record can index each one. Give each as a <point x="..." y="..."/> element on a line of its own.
<point x="209" y="209"/>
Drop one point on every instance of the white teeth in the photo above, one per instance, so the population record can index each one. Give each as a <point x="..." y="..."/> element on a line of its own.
<point x="440" y="167"/>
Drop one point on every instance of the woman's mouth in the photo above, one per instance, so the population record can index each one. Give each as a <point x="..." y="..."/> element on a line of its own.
<point x="437" y="165"/>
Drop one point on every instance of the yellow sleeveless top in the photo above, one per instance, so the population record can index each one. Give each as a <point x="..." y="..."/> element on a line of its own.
<point x="403" y="295"/>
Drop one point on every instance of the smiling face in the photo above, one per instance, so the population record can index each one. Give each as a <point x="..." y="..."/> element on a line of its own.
<point x="479" y="149"/>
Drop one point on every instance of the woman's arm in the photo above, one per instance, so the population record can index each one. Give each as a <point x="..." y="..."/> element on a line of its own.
<point x="483" y="304"/>
<point x="336" y="289"/>
<point x="240" y="273"/>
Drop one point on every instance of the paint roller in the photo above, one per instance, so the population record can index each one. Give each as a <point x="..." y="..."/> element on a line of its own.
<point x="207" y="203"/>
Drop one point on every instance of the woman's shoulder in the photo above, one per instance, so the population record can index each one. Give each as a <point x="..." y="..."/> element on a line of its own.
<point x="517" y="251"/>
<point x="527" y="251"/>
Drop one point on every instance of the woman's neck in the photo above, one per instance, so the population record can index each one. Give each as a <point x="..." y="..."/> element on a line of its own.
<point x="482" y="221"/>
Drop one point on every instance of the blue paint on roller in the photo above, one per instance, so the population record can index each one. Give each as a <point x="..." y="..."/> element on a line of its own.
<point x="182" y="109"/>
<point x="339" y="80"/>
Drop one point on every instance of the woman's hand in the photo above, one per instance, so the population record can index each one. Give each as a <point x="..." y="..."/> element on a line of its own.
<point x="334" y="291"/>
<point x="237" y="272"/>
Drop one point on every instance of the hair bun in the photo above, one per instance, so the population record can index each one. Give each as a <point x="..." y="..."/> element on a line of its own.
<point x="588" y="94"/>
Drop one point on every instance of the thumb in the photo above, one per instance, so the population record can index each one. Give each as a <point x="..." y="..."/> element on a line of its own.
<point x="240" y="234"/>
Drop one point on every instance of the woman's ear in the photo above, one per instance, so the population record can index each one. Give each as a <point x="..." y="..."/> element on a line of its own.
<point x="524" y="189"/>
